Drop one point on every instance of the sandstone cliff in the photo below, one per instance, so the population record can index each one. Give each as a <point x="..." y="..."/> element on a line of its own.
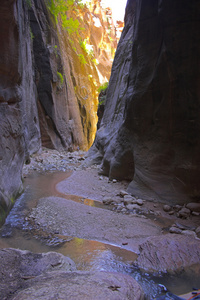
<point x="151" y="126"/>
<point x="48" y="81"/>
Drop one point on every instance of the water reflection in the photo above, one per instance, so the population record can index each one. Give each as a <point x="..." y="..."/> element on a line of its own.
<point x="87" y="254"/>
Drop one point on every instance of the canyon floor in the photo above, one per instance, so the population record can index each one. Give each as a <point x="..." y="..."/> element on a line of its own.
<point x="90" y="206"/>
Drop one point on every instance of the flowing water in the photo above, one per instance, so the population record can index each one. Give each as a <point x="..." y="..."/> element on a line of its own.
<point x="87" y="254"/>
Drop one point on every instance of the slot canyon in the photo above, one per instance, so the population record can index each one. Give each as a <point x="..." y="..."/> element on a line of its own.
<point x="99" y="149"/>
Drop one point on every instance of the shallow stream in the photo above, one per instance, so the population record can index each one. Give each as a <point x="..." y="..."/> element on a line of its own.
<point x="87" y="254"/>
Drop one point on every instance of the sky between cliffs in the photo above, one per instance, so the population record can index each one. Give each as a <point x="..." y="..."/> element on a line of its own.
<point x="118" y="8"/>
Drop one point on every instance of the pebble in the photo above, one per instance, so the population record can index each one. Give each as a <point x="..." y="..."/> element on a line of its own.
<point x="166" y="208"/>
<point x="107" y="200"/>
<point x="122" y="193"/>
<point x="184" y="213"/>
<point x="132" y="206"/>
<point x="128" y="199"/>
<point x="114" y="180"/>
<point x="140" y="202"/>
<point x="176" y="230"/>
<point x="194" y="213"/>
<point x="171" y="212"/>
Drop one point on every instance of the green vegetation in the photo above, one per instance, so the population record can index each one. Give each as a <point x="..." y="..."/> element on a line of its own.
<point x="82" y="59"/>
<point x="61" y="79"/>
<point x="103" y="87"/>
<point x="29" y="3"/>
<point x="31" y="34"/>
<point x="58" y="8"/>
<point x="87" y="47"/>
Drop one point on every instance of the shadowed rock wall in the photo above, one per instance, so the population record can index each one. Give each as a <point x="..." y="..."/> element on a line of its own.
<point x="151" y="126"/>
<point x="19" y="128"/>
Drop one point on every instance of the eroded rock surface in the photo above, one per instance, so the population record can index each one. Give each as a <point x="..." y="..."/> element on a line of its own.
<point x="150" y="128"/>
<point x="26" y="275"/>
<point x="169" y="253"/>
<point x="48" y="95"/>
<point x="18" y="267"/>
<point x="82" y="285"/>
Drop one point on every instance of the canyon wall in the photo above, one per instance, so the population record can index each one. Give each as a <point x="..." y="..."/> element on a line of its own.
<point x="150" y="131"/>
<point x="48" y="82"/>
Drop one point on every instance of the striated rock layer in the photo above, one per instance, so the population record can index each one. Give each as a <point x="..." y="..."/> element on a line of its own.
<point x="48" y="83"/>
<point x="151" y="126"/>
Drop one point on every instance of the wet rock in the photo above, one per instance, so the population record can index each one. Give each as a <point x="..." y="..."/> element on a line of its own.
<point x="82" y="285"/>
<point x="166" y="208"/>
<point x="168" y="253"/>
<point x="184" y="213"/>
<point x="193" y="206"/>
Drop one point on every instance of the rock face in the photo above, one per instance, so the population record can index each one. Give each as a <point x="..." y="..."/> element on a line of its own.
<point x="18" y="266"/>
<point x="48" y="83"/>
<point x="150" y="128"/>
<point x="169" y="253"/>
<point x="25" y="275"/>
<point x="19" y="130"/>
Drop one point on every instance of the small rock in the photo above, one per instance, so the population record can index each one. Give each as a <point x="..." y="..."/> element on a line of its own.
<point x="176" y="230"/>
<point x="166" y="208"/>
<point x="171" y="212"/>
<point x="196" y="214"/>
<point x="197" y="230"/>
<point x="114" y="180"/>
<point x="140" y="202"/>
<point x="122" y="193"/>
<point x="184" y="213"/>
<point x="193" y="206"/>
<point x="128" y="199"/>
<point x="107" y="200"/>
<point x="132" y="206"/>
<point x="177" y="208"/>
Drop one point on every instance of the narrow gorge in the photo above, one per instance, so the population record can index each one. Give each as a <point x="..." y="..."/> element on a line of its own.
<point x="99" y="150"/>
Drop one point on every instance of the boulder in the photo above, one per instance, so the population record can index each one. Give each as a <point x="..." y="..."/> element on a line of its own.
<point x="193" y="206"/>
<point x="81" y="285"/>
<point x="18" y="267"/>
<point x="27" y="275"/>
<point x="169" y="253"/>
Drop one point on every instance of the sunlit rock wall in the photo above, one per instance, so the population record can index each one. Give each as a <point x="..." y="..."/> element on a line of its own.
<point x="84" y="69"/>
<point x="150" y="131"/>
<point x="48" y="96"/>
